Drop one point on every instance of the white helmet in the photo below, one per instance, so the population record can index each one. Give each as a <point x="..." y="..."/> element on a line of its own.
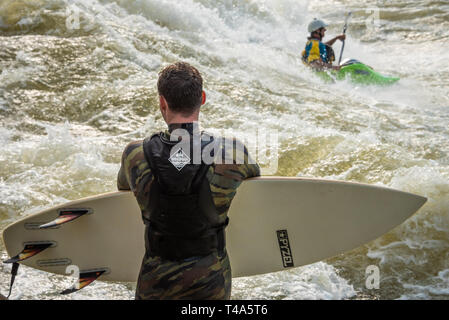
<point x="315" y="25"/>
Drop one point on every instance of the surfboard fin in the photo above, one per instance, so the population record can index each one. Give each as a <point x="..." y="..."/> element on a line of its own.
<point x="66" y="215"/>
<point x="29" y="251"/>
<point x="85" y="279"/>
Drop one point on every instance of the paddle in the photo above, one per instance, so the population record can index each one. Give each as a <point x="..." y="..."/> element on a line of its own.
<point x="344" y="32"/>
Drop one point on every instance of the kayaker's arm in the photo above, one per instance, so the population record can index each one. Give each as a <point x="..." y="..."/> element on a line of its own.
<point x="332" y="41"/>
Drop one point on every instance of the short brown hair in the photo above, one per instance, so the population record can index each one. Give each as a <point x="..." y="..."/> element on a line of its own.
<point x="182" y="86"/>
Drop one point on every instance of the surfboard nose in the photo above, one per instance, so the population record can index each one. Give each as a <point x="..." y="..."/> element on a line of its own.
<point x="422" y="201"/>
<point x="415" y="201"/>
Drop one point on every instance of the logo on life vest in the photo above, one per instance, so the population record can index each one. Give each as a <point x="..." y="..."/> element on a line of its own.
<point x="284" y="246"/>
<point x="179" y="159"/>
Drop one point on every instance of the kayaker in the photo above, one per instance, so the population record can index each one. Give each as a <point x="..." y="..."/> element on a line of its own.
<point x="317" y="54"/>
<point x="184" y="198"/>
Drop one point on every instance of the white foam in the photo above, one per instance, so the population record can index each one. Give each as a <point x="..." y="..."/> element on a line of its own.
<point x="316" y="281"/>
<point x="66" y="163"/>
<point x="432" y="287"/>
<point x="5" y="134"/>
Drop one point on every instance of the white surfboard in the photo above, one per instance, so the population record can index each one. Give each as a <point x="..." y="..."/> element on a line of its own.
<point x="275" y="223"/>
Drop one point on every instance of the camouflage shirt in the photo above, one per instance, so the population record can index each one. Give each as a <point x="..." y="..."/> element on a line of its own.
<point x="206" y="277"/>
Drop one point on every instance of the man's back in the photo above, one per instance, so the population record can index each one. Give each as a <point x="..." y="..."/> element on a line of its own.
<point x="205" y="277"/>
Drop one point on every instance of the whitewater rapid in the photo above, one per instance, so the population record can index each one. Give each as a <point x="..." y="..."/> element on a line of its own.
<point x="78" y="82"/>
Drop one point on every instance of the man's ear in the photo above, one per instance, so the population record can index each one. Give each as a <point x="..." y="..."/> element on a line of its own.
<point x="203" y="101"/>
<point x="163" y="106"/>
<point x="162" y="102"/>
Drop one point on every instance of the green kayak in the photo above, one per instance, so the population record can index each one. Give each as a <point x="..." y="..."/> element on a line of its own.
<point x="357" y="72"/>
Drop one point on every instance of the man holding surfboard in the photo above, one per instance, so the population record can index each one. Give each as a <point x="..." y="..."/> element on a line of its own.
<point x="184" y="183"/>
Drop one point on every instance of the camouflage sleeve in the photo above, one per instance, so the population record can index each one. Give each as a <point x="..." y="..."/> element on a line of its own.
<point x="246" y="166"/>
<point x="124" y="179"/>
<point x="230" y="169"/>
<point x="251" y="168"/>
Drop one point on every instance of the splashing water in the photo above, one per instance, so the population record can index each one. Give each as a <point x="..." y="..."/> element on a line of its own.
<point x="78" y="82"/>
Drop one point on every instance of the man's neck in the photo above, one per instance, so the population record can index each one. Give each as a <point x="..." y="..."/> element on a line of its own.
<point x="178" y="118"/>
<point x="191" y="127"/>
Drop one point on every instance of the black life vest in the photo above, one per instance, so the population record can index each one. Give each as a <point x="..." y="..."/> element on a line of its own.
<point x="330" y="54"/>
<point x="182" y="220"/>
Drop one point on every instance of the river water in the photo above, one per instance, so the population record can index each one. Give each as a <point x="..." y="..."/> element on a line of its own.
<point x="78" y="82"/>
